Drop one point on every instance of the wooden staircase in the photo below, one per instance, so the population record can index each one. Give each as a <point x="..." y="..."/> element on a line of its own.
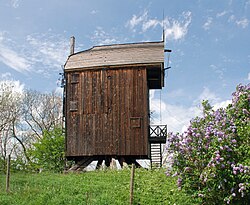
<point x="157" y="137"/>
<point x="156" y="154"/>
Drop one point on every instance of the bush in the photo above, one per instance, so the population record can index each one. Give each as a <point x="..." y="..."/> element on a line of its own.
<point x="212" y="158"/>
<point x="48" y="153"/>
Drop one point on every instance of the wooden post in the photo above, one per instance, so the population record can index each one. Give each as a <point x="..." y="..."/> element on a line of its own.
<point x="8" y="174"/>
<point x="132" y="183"/>
<point x="72" y="45"/>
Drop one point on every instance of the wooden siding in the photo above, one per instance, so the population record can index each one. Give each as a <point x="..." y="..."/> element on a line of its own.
<point x="120" y="54"/>
<point x="107" y="112"/>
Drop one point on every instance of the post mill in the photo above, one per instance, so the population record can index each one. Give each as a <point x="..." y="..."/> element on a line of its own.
<point x="106" y="103"/>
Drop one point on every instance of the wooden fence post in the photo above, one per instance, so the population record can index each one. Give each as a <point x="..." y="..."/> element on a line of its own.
<point x="132" y="183"/>
<point x="8" y="174"/>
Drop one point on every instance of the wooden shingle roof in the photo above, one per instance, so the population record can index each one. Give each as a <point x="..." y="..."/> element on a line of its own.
<point x="117" y="55"/>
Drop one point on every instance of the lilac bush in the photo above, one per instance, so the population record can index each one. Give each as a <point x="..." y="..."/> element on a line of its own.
<point x="212" y="157"/>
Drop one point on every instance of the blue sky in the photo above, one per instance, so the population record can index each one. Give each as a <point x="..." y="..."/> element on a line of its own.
<point x="210" y="43"/>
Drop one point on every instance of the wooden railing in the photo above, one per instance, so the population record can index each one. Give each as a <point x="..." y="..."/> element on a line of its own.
<point x="157" y="133"/>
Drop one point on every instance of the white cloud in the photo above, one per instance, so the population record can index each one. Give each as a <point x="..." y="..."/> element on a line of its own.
<point x="174" y="29"/>
<point x="223" y="13"/>
<point x="207" y="95"/>
<point x="243" y="23"/>
<point x="247" y="4"/>
<point x="208" y="23"/>
<point x="101" y="37"/>
<point x="231" y="18"/>
<point x="218" y="71"/>
<point x="14" y="60"/>
<point x="175" y="116"/>
<point x="215" y="101"/>
<point x="177" y="29"/>
<point x="47" y="51"/>
<point x="248" y="77"/>
<point x="94" y="12"/>
<point x="14" y="3"/>
<point x="5" y="76"/>
<point x="177" y="93"/>
<point x="151" y="23"/>
<point x="222" y="104"/>
<point x="41" y="53"/>
<point x="178" y="117"/>
<point x="135" y="20"/>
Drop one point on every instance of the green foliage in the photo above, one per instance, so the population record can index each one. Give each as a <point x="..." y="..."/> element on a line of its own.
<point x="48" y="152"/>
<point x="2" y="165"/>
<point x="212" y="158"/>
<point x="96" y="187"/>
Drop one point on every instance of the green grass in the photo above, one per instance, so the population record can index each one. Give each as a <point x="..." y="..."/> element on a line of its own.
<point x="97" y="187"/>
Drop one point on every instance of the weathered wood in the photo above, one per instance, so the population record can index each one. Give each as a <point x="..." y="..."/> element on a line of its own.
<point x="132" y="176"/>
<point x="82" y="164"/>
<point x="8" y="174"/>
<point x="107" y="100"/>
<point x="97" y="128"/>
<point x="123" y="54"/>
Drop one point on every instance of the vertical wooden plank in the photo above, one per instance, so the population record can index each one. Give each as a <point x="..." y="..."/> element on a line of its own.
<point x="115" y="112"/>
<point x="89" y="134"/>
<point x="94" y="112"/>
<point x="97" y="113"/>
<point x="126" y="111"/>
<point x="122" y="137"/>
<point x="85" y="100"/>
<point x="133" y="112"/>
<point x="68" y="114"/>
<point x="111" y="110"/>
<point x="79" y="113"/>
<point x="118" y="130"/>
<point x="137" y="136"/>
<point x="129" y="104"/>
<point x="146" y="112"/>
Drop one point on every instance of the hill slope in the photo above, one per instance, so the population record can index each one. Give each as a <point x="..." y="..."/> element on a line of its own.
<point x="97" y="187"/>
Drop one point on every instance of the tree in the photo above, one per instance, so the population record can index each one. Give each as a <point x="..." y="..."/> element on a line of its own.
<point x="41" y="112"/>
<point x="10" y="98"/>
<point x="25" y="115"/>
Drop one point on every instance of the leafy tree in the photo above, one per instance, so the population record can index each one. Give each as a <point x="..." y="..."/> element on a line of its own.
<point x="48" y="152"/>
<point x="212" y="158"/>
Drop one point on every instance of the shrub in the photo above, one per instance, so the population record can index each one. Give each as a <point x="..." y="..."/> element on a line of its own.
<point x="48" y="152"/>
<point x="212" y="158"/>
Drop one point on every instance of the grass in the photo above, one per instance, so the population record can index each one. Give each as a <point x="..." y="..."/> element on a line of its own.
<point x="96" y="187"/>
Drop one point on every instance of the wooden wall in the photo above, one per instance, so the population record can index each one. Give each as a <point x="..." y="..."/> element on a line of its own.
<point x="107" y="112"/>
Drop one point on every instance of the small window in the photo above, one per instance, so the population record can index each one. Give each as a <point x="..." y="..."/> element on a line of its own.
<point x="135" y="122"/>
<point x="73" y="106"/>
<point x="75" y="78"/>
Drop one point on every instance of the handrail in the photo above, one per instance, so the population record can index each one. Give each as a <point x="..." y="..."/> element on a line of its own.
<point x="158" y="131"/>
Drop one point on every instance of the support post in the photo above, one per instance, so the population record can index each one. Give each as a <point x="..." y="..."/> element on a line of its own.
<point x="132" y="183"/>
<point x="8" y="175"/>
